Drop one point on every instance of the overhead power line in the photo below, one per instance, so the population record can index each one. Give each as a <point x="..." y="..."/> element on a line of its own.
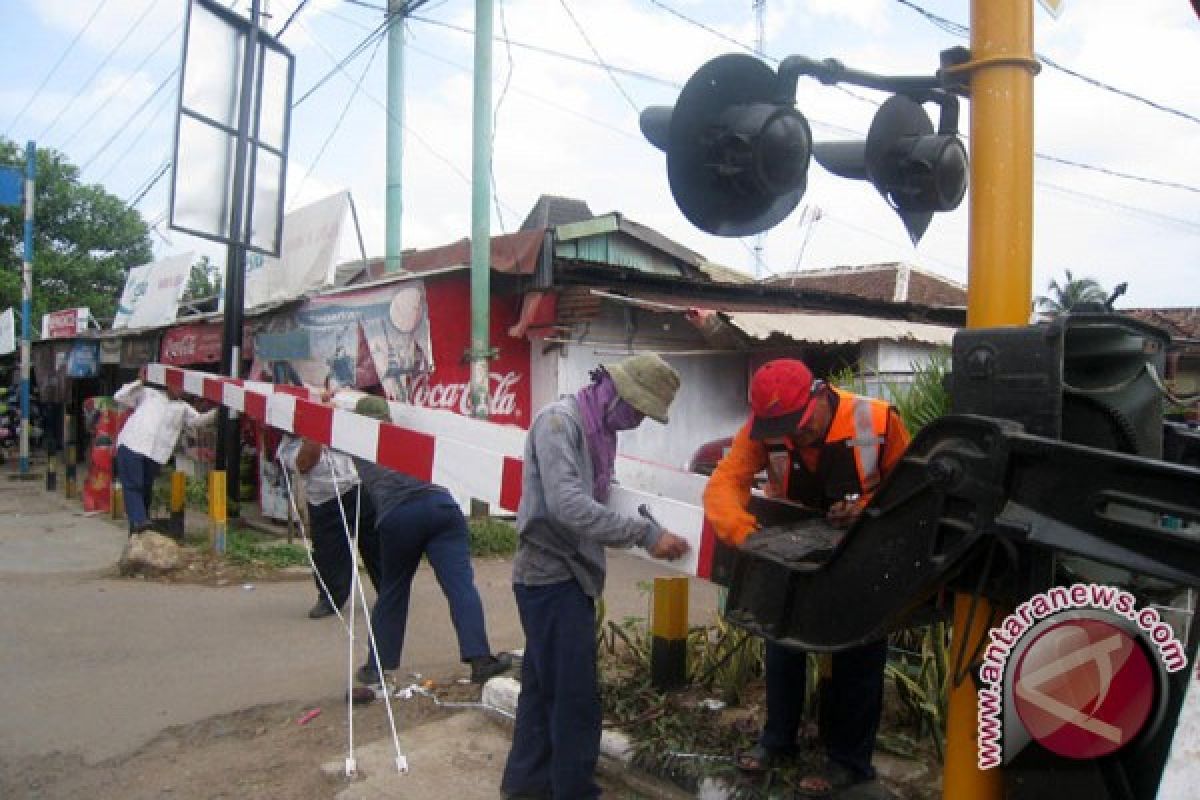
<point x="142" y="130"/>
<point x="546" y="51"/>
<point x="601" y="123"/>
<point x="341" y="117"/>
<point x="122" y="128"/>
<point x="508" y="73"/>
<point x="596" y="53"/>
<point x="38" y="91"/>
<point x="339" y="66"/>
<point x="137" y="196"/>
<point x="357" y="50"/>
<point x="117" y="92"/>
<point x="291" y="18"/>
<point x="958" y="29"/>
<point x="96" y="72"/>
<point x="962" y="30"/>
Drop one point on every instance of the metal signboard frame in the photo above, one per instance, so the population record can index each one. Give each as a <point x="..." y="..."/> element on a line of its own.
<point x="268" y="52"/>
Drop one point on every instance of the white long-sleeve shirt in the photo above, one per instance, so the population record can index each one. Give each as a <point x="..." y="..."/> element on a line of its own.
<point x="154" y="427"/>
<point x="333" y="474"/>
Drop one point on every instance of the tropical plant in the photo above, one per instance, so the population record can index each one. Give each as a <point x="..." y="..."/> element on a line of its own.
<point x="918" y="401"/>
<point x="926" y="397"/>
<point x="1069" y="294"/>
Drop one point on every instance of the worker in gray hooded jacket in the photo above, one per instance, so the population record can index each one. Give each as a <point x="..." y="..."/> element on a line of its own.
<point x="559" y="570"/>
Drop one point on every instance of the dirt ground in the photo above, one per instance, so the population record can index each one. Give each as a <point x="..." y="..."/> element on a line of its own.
<point x="270" y="752"/>
<point x="258" y="753"/>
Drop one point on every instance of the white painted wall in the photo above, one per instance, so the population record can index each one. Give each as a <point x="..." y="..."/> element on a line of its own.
<point x="890" y="364"/>
<point x="710" y="404"/>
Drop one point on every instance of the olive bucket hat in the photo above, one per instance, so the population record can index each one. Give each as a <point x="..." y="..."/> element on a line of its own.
<point x="374" y="407"/>
<point x="647" y="383"/>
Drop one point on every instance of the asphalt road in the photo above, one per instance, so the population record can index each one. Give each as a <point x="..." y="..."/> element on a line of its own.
<point x="95" y="665"/>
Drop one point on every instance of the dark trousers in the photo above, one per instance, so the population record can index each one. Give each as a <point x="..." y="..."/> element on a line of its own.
<point x="136" y="473"/>
<point x="429" y="525"/>
<point x="331" y="549"/>
<point x="850" y="708"/>
<point x="557" y="737"/>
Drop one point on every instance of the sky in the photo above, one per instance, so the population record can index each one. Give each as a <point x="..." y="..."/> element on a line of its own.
<point x="96" y="80"/>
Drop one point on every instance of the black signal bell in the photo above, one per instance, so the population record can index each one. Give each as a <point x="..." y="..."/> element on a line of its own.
<point x="737" y="157"/>
<point x="917" y="171"/>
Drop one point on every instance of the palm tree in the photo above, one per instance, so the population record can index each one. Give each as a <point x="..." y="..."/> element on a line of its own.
<point x="1069" y="294"/>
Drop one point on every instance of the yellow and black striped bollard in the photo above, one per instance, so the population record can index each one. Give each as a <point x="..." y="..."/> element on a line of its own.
<point x="669" y="626"/>
<point x="175" y="525"/>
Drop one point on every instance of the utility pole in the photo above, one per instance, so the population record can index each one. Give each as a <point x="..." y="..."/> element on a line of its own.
<point x="394" y="202"/>
<point x="481" y="209"/>
<point x="999" y="292"/>
<point x="27" y="301"/>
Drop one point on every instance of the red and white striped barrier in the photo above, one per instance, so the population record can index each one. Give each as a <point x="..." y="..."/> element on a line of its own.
<point x="471" y="457"/>
<point x="481" y="459"/>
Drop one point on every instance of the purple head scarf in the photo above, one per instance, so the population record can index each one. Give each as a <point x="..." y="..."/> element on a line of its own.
<point x="594" y="400"/>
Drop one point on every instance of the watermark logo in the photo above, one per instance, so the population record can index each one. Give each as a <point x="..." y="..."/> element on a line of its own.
<point x="1083" y="688"/>
<point x="1074" y="669"/>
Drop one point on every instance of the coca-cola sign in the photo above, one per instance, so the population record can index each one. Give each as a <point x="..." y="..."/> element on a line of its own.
<point x="64" y="324"/>
<point x="502" y="394"/>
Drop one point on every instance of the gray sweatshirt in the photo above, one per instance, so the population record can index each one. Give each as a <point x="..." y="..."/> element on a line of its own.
<point x="562" y="529"/>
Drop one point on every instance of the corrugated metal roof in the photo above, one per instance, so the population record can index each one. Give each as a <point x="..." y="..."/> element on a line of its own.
<point x="837" y="328"/>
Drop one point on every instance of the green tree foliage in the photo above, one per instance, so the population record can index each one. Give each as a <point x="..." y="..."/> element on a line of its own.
<point x="204" y="280"/>
<point x="1071" y="292"/>
<point x="85" y="240"/>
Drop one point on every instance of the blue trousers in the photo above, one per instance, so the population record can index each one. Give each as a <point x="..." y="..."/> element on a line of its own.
<point x="850" y="709"/>
<point x="136" y="473"/>
<point x="429" y="525"/>
<point x="556" y="741"/>
<point x="331" y="550"/>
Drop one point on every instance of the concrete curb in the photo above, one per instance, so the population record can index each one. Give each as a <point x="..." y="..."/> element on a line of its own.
<point x="616" y="748"/>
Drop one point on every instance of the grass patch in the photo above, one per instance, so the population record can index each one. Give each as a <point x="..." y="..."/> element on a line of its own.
<point x="492" y="537"/>
<point x="195" y="493"/>
<point x="252" y="549"/>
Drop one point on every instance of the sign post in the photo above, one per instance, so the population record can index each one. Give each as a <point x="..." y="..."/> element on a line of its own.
<point x="10" y="194"/>
<point x="230" y="162"/>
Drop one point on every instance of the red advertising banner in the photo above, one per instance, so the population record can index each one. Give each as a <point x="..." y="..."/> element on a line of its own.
<point x="447" y="387"/>
<point x="197" y="344"/>
<point x="64" y="324"/>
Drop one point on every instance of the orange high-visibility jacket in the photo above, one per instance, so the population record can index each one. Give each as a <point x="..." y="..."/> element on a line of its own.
<point x="865" y="441"/>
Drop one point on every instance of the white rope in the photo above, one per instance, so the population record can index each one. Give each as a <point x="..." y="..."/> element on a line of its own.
<point x="351" y="539"/>
<point x="356" y="590"/>
<point x="356" y="584"/>
<point x="308" y="546"/>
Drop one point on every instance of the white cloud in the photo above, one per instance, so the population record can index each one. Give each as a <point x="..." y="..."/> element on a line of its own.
<point x="564" y="128"/>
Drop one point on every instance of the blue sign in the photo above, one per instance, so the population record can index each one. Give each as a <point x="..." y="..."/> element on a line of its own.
<point x="293" y="345"/>
<point x="84" y="360"/>
<point x="12" y="186"/>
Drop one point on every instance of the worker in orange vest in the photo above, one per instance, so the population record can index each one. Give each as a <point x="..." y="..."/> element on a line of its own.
<point x="825" y="449"/>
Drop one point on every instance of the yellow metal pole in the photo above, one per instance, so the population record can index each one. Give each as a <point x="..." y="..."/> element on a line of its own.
<point x="999" y="292"/>
<point x="1000" y="274"/>
<point x="217" y="509"/>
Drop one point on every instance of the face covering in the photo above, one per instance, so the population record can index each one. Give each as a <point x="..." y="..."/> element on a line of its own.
<point x="623" y="417"/>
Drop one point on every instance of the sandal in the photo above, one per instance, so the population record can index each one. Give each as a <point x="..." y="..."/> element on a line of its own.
<point x="833" y="775"/>
<point x="759" y="759"/>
